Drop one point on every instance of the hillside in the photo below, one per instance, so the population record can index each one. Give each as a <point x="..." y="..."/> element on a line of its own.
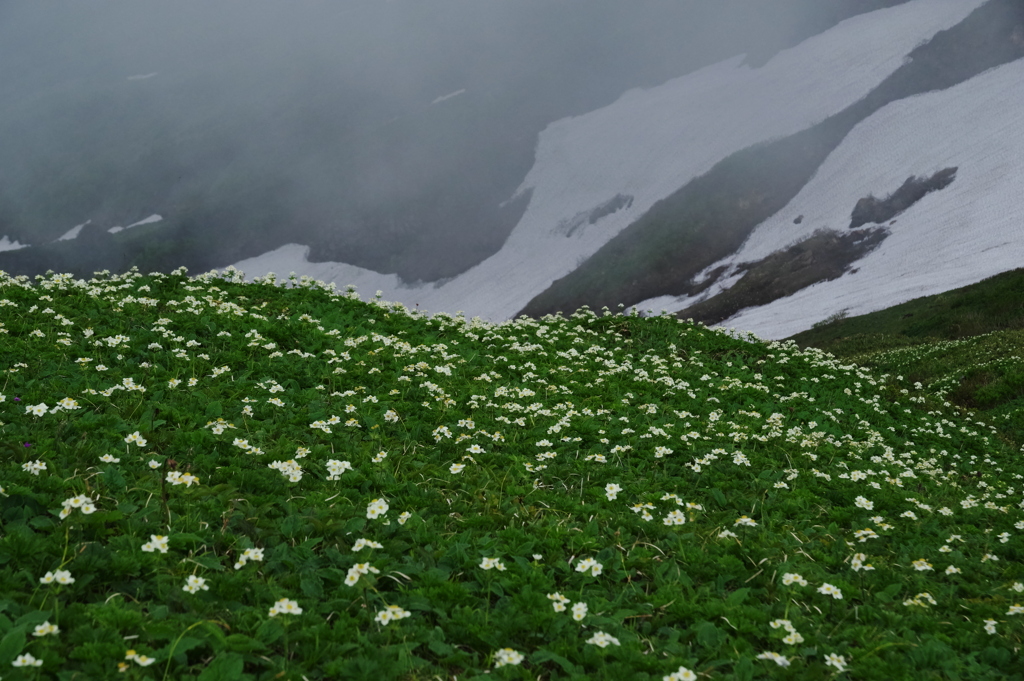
<point x="955" y="101"/>
<point x="965" y="345"/>
<point x="236" y="480"/>
<point x="727" y="135"/>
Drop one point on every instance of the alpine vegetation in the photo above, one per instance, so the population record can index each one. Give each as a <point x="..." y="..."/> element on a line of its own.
<point x="207" y="478"/>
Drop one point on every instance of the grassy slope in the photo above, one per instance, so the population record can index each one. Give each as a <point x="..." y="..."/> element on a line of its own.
<point x="641" y="444"/>
<point x="966" y="345"/>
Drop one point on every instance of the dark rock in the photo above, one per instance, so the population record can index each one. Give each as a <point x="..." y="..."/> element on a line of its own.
<point x="873" y="210"/>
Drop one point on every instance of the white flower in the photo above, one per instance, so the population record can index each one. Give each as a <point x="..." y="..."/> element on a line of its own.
<point x="363" y="543"/>
<point x="559" y="601"/>
<point x="611" y="490"/>
<point x="391" y="612"/>
<point x="837" y="661"/>
<point x="176" y="478"/>
<point x="354" y="573"/>
<point x="774" y="657"/>
<point x="404" y="517"/>
<point x="456" y="468"/>
<point x="990" y="626"/>
<point x="376" y="508"/>
<point x="34" y="467"/>
<point x="109" y="458"/>
<point x="507" y="656"/>
<point x="335" y="468"/>
<point x="46" y="629"/>
<point x="861" y="502"/>
<point x="26" y="660"/>
<point x="247" y="555"/>
<point x="681" y="674"/>
<point x="136" y="438"/>
<point x="38" y="409"/>
<point x="156" y="543"/>
<point x="589" y="564"/>
<point x="488" y="563"/>
<point x="60" y="576"/>
<point x="602" y="640"/>
<point x="285" y="606"/>
<point x="674" y="518"/>
<point x="579" y="611"/>
<point x="194" y="584"/>
<point x="922" y="565"/>
<point x="829" y="590"/>
<point x="744" y="520"/>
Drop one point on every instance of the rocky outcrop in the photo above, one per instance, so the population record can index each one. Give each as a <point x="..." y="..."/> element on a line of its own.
<point x="874" y="210"/>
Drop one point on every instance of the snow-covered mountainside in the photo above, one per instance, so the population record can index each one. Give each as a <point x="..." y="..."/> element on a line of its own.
<point x="968" y="231"/>
<point x="595" y="174"/>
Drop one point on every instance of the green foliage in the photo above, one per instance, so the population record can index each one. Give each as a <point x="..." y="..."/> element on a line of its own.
<point x="965" y="346"/>
<point x="207" y="478"/>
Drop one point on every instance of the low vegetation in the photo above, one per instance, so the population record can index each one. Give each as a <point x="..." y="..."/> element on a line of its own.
<point x="206" y="478"/>
<point x="965" y="345"/>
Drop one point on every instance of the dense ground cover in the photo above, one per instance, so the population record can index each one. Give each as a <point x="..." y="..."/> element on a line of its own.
<point x="964" y="345"/>
<point x="212" y="479"/>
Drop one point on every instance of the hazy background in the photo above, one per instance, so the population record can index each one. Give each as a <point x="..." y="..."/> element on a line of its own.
<point x="324" y="122"/>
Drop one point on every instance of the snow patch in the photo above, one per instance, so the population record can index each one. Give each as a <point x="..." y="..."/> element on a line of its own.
<point x="970" y="230"/>
<point x="143" y="76"/>
<point x="73" y="232"/>
<point x="448" y="96"/>
<point x="145" y="221"/>
<point x="7" y="244"/>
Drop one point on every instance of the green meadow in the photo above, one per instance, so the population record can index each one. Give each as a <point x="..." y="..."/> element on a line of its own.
<point x="212" y="479"/>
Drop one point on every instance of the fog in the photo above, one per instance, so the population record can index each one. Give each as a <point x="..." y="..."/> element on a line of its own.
<point x="386" y="134"/>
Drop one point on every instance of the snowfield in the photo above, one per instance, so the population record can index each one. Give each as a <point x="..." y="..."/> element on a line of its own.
<point x="971" y="230"/>
<point x="647" y="145"/>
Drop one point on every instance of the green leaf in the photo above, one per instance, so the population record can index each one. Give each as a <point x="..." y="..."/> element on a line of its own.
<point x="224" y="667"/>
<point x="709" y="636"/>
<point x="542" y="656"/>
<point x="311" y="585"/>
<point x="240" y="643"/>
<point x="886" y="594"/>
<point x="30" y="619"/>
<point x="719" y="497"/>
<point x="269" y="632"/>
<point x="214" y="409"/>
<point x="737" y="597"/>
<point x="210" y="561"/>
<point x="11" y="645"/>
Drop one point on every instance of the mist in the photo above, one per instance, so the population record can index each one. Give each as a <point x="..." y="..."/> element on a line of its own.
<point x="386" y="134"/>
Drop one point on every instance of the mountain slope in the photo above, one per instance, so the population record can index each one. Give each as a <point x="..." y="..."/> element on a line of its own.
<point x="648" y="144"/>
<point x="677" y="248"/>
<point x="971" y="230"/>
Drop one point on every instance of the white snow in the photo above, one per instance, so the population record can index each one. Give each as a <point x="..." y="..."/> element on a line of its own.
<point x="7" y="245"/>
<point x="971" y="230"/>
<point x="294" y="258"/>
<point x="73" y="232"/>
<point x="448" y="96"/>
<point x="145" y="221"/>
<point x="648" y="144"/>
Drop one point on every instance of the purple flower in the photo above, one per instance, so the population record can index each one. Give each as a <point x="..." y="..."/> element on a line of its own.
<point x="28" y="444"/>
